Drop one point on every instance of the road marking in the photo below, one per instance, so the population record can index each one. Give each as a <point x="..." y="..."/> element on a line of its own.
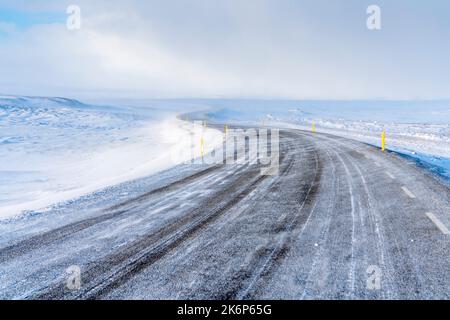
<point x="438" y="223"/>
<point x="409" y="193"/>
<point x="377" y="164"/>
<point x="367" y="157"/>
<point x="390" y="175"/>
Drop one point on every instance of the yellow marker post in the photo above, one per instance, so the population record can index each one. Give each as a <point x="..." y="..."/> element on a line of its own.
<point x="202" y="147"/>
<point x="313" y="127"/>
<point x="226" y="130"/>
<point x="383" y="140"/>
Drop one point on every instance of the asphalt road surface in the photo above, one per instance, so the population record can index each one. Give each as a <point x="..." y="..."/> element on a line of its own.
<point x="341" y="220"/>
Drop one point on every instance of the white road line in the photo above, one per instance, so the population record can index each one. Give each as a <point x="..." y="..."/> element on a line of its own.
<point x="367" y="157"/>
<point x="409" y="193"/>
<point x="438" y="223"/>
<point x="377" y="164"/>
<point x="390" y="175"/>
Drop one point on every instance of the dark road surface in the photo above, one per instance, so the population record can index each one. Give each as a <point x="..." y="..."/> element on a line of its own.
<point x="338" y="214"/>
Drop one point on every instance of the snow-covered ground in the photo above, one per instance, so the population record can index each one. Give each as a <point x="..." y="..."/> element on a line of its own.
<point x="420" y="129"/>
<point x="56" y="149"/>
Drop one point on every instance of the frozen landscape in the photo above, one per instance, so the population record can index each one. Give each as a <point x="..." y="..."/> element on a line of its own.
<point x="109" y="188"/>
<point x="56" y="149"/>
<point x="418" y="129"/>
<point x="140" y="226"/>
<point x="224" y="150"/>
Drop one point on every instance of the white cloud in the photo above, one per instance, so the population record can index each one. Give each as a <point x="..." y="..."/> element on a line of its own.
<point x="289" y="49"/>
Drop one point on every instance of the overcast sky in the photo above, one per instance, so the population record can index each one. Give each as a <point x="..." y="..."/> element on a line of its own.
<point x="317" y="49"/>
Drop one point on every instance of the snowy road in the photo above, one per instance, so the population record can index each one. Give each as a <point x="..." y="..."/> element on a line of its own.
<point x="338" y="214"/>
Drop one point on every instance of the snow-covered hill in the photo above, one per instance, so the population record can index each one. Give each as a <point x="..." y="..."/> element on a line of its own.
<point x="56" y="149"/>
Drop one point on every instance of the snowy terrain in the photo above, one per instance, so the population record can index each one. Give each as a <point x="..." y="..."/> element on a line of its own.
<point x="56" y="149"/>
<point x="419" y="129"/>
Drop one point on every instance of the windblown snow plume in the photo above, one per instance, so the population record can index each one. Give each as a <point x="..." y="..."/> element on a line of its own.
<point x="55" y="149"/>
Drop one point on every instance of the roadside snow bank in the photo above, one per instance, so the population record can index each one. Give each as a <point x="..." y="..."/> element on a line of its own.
<point x="54" y="150"/>
<point x="417" y="128"/>
<point x="413" y="138"/>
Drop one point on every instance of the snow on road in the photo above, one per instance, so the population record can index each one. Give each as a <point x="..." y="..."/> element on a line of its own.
<point x="337" y="205"/>
<point x="310" y="232"/>
<point x="57" y="149"/>
<point x="419" y="129"/>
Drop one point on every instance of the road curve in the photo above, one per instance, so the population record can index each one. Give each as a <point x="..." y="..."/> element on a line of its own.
<point x="341" y="220"/>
